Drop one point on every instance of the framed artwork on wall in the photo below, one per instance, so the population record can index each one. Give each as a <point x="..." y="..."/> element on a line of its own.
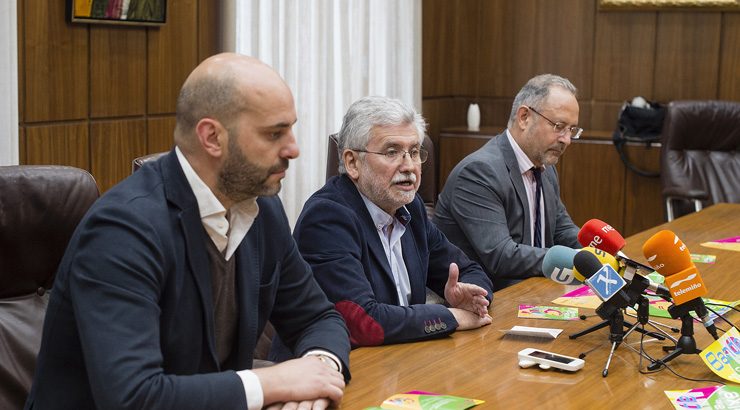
<point x="713" y="5"/>
<point x="131" y="12"/>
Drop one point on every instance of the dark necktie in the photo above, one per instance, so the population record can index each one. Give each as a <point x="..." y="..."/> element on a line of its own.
<point x="538" y="195"/>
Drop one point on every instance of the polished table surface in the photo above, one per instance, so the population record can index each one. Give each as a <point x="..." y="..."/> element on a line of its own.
<point x="483" y="363"/>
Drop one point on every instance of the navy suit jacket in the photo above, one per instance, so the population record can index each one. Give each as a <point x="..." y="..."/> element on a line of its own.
<point x="130" y="319"/>
<point x="336" y="235"/>
<point x="483" y="209"/>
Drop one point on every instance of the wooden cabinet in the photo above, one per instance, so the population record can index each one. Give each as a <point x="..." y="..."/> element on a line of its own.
<point x="594" y="183"/>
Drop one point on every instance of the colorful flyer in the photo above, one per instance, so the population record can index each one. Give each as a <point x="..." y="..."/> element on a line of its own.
<point x="426" y="401"/>
<point x="582" y="297"/>
<point x="723" y="356"/>
<point x="700" y="258"/>
<point x="711" y="397"/>
<point x="728" y="244"/>
<point x="548" y="312"/>
<point x="659" y="307"/>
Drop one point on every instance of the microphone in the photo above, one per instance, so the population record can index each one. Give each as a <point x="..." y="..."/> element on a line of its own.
<point x="599" y="234"/>
<point x="670" y="257"/>
<point x="558" y="266"/>
<point x="605" y="282"/>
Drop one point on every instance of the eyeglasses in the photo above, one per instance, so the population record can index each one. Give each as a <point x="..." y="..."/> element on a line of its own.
<point x="393" y="155"/>
<point x="560" y="127"/>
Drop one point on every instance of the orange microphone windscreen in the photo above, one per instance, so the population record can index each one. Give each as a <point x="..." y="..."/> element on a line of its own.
<point x="666" y="253"/>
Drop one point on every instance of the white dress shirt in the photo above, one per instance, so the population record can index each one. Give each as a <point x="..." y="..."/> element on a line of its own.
<point x="392" y="245"/>
<point x="530" y="185"/>
<point x="227" y="234"/>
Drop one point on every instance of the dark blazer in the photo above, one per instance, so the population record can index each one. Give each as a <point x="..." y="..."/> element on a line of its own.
<point x="130" y="321"/>
<point x="483" y="209"/>
<point x="336" y="235"/>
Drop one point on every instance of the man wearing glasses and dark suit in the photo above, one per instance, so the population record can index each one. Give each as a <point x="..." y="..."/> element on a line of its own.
<point x="501" y="204"/>
<point x="371" y="246"/>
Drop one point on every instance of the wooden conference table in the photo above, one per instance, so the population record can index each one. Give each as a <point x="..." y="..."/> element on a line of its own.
<point x="483" y="363"/>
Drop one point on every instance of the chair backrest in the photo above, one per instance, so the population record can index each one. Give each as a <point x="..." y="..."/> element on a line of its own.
<point x="700" y="154"/>
<point x="140" y="161"/>
<point x="40" y="207"/>
<point x="428" y="186"/>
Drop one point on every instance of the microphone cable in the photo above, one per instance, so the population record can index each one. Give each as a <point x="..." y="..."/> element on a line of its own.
<point x="653" y="322"/>
<point x="721" y="317"/>
<point x="723" y="305"/>
<point x="666" y="366"/>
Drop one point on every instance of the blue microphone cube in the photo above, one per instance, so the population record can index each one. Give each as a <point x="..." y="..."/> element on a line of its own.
<point x="606" y="282"/>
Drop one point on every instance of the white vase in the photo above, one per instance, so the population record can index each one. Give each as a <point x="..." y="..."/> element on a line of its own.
<point x="473" y="117"/>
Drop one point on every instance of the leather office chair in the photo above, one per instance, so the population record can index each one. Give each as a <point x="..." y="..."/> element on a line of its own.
<point x="428" y="186"/>
<point x="700" y="159"/>
<point x="140" y="161"/>
<point x="40" y="207"/>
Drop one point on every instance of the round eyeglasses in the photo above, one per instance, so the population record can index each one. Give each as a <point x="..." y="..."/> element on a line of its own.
<point x="560" y="128"/>
<point x="393" y="155"/>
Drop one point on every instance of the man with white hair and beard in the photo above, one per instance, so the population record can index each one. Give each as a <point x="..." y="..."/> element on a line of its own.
<point x="501" y="204"/>
<point x="371" y="246"/>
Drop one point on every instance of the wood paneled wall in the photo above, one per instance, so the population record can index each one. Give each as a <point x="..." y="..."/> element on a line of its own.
<point x="97" y="96"/>
<point x="483" y="51"/>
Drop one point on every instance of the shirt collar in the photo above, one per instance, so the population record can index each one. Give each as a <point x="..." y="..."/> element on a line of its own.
<point x="213" y="214"/>
<point x="382" y="218"/>
<point x="208" y="204"/>
<point x="525" y="164"/>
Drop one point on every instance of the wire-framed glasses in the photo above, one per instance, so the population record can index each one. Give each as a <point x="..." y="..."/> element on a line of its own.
<point x="560" y="128"/>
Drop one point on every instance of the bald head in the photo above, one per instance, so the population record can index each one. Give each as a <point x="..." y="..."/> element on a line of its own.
<point x="222" y="87"/>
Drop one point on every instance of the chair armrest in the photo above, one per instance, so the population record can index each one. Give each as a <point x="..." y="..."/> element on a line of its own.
<point x="691" y="194"/>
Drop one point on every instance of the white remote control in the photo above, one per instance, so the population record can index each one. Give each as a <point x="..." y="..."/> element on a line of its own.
<point x="530" y="357"/>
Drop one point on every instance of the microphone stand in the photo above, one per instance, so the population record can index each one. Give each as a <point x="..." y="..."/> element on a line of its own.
<point x="616" y="336"/>
<point x="686" y="344"/>
<point x="614" y="318"/>
<point x="626" y="324"/>
<point x="634" y="293"/>
<point x="643" y="318"/>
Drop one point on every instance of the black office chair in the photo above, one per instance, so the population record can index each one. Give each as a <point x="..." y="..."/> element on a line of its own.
<point x="700" y="159"/>
<point x="140" y="161"/>
<point x="40" y="207"/>
<point x="428" y="186"/>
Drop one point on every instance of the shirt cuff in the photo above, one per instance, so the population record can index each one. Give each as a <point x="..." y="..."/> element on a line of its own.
<point x="252" y="389"/>
<point x="328" y="354"/>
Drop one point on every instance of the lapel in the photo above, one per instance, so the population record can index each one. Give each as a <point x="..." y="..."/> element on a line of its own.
<point x="179" y="193"/>
<point x="412" y="258"/>
<point x="248" y="286"/>
<point x="349" y="191"/>
<point x="516" y="179"/>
